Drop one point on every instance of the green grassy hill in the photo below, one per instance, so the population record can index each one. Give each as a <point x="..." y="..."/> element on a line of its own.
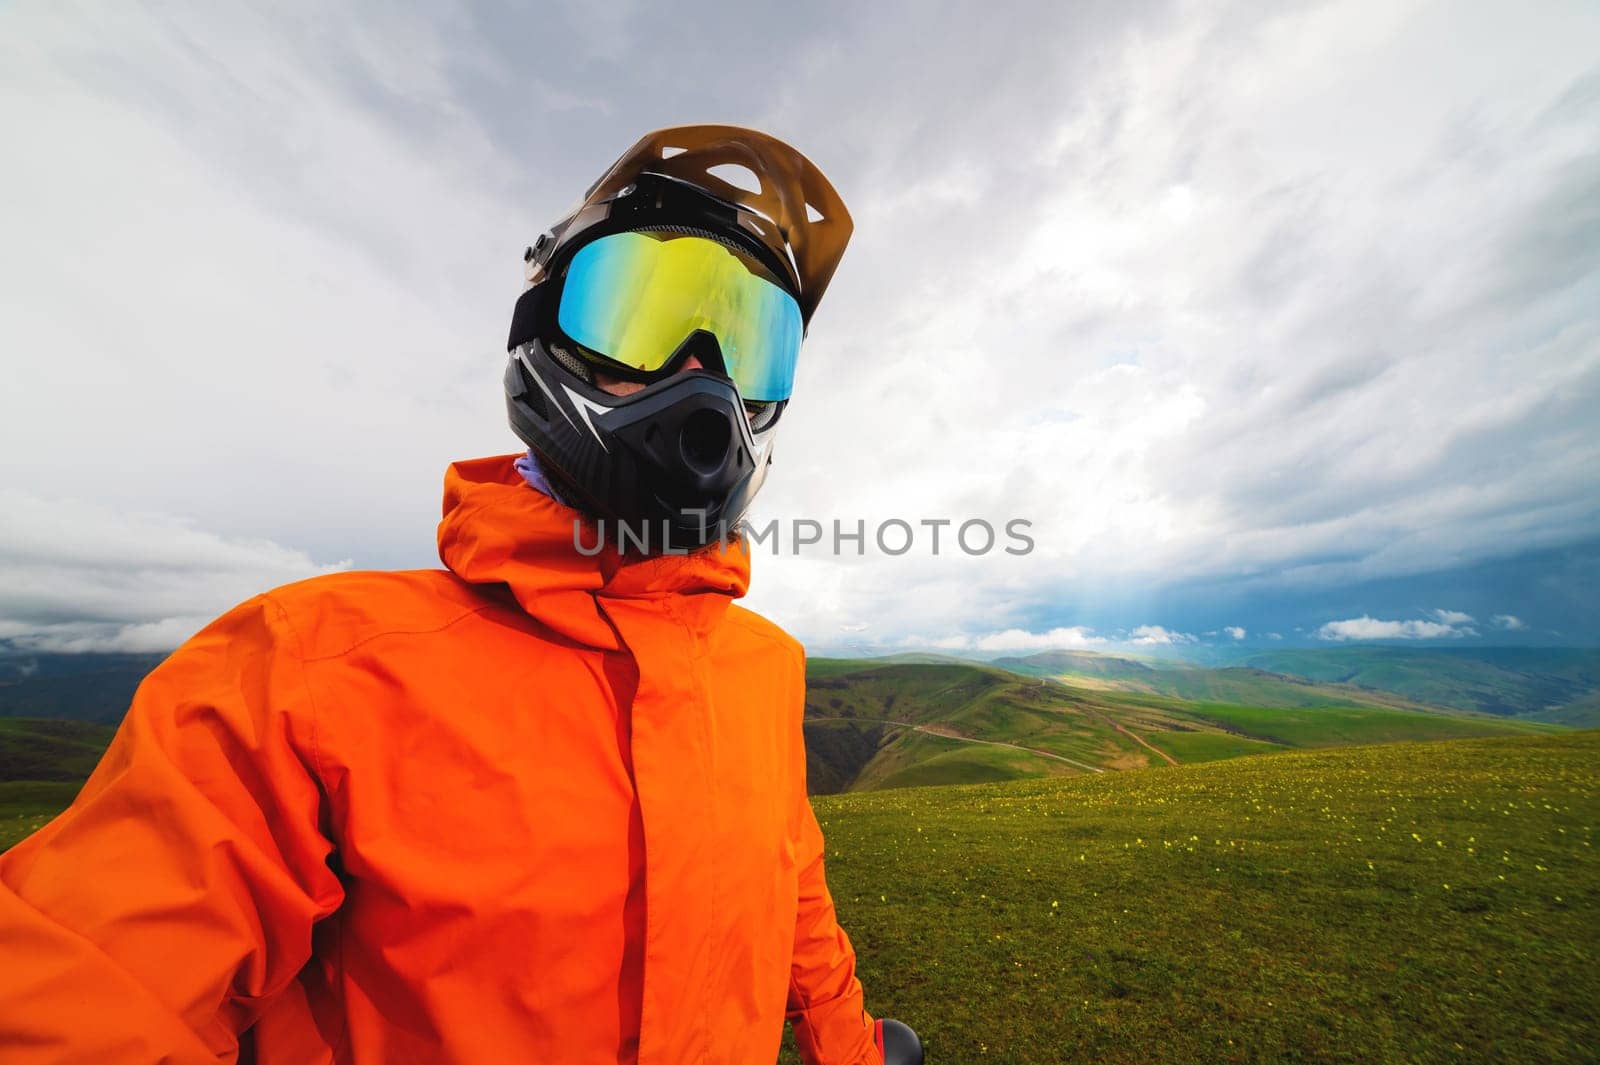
<point x="872" y="724"/>
<point x="42" y="766"/>
<point x="1411" y="902"/>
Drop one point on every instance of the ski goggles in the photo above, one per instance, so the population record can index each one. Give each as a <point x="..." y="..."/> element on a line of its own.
<point x="634" y="298"/>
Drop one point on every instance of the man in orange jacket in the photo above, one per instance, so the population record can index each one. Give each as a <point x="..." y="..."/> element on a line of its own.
<point x="545" y="805"/>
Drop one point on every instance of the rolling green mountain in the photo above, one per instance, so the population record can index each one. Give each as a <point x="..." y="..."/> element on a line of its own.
<point x="875" y="724"/>
<point x="1410" y="902"/>
<point x="78" y="687"/>
<point x="1542" y="683"/>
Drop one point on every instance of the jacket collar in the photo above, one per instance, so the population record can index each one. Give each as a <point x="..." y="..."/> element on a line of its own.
<point x="498" y="530"/>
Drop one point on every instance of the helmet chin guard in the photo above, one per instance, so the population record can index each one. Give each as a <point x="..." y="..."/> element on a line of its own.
<point x="670" y="467"/>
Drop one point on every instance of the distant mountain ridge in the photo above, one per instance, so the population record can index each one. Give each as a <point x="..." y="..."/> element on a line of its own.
<point x="1543" y="683"/>
<point x="1559" y="685"/>
<point x="1086" y="663"/>
<point x="73" y="687"/>
<point x="1240" y="685"/>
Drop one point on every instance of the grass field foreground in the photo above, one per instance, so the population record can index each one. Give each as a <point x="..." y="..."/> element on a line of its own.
<point x="1399" y="903"/>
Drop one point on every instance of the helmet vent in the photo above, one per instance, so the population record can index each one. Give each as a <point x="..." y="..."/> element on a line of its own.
<point x="668" y="152"/>
<point x="738" y="175"/>
<point x="812" y="214"/>
<point x="572" y="364"/>
<point x="534" y="397"/>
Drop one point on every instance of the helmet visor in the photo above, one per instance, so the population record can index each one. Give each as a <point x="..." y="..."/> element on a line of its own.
<point x="635" y="297"/>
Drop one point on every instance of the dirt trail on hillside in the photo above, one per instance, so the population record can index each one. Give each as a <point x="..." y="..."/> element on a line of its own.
<point x="1141" y="741"/>
<point x="1134" y="736"/>
<point x="949" y="734"/>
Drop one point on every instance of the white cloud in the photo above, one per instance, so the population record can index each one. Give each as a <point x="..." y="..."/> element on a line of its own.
<point x="1294" y="451"/>
<point x="1236" y="631"/>
<point x="81" y="637"/>
<point x="1509" y="621"/>
<point x="81" y="576"/>
<point x="1151" y="635"/>
<point x="1451" y="617"/>
<point x="281" y="356"/>
<point x="314" y="225"/>
<point x="1067" y="638"/>
<point x="1075" y="636"/>
<point x="1274" y="635"/>
<point x="1366" y="628"/>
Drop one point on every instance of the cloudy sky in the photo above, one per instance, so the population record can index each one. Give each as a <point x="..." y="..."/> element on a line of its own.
<point x="1275" y="321"/>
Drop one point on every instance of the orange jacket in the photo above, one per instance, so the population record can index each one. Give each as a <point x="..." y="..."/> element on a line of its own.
<point x="539" y="808"/>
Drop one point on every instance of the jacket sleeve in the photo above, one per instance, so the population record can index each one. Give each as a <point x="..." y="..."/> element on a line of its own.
<point x="826" y="1002"/>
<point x="154" y="918"/>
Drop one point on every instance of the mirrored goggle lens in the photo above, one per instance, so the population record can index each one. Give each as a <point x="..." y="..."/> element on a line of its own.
<point x="635" y="298"/>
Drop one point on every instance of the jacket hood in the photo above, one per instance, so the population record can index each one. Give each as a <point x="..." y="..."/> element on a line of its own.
<point x="499" y="530"/>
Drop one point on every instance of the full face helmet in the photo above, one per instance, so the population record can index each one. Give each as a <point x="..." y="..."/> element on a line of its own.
<point x="665" y="261"/>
